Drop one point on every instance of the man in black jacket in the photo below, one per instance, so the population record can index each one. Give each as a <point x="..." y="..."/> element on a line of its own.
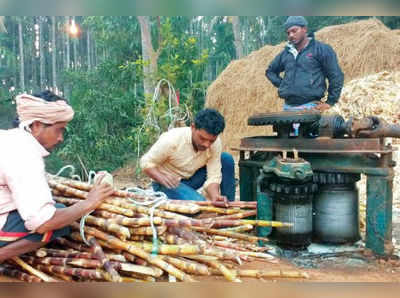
<point x="307" y="63"/>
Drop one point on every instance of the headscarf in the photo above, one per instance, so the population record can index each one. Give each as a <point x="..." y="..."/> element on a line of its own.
<point x="31" y="108"/>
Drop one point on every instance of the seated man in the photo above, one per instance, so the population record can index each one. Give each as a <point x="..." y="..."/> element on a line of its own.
<point x="29" y="218"/>
<point x="187" y="158"/>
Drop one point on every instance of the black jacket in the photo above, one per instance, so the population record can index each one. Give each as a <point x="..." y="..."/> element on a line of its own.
<point x="305" y="76"/>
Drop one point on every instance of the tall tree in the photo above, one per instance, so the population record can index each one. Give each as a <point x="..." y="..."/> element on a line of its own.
<point x="89" y="64"/>
<point x="75" y="46"/>
<point x="54" y="51"/>
<point x="67" y="44"/>
<point x="150" y="56"/>
<point x="2" y="26"/>
<point x="238" y="39"/>
<point x="41" y="53"/>
<point x="21" y="55"/>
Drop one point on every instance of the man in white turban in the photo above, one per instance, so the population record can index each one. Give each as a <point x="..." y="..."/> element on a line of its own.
<point x="29" y="217"/>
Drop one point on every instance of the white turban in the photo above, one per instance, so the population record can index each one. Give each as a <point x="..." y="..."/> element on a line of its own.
<point x="31" y="108"/>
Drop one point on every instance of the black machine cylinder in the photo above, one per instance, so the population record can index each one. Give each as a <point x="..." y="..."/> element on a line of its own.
<point x="293" y="203"/>
<point x="336" y="210"/>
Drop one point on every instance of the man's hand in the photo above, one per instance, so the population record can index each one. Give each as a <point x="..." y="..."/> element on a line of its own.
<point x="220" y="198"/>
<point x="165" y="179"/>
<point x="322" y="106"/>
<point x="99" y="193"/>
<point x="169" y="180"/>
<point x="214" y="194"/>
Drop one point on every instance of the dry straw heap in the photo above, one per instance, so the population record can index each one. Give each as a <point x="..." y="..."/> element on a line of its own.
<point x="363" y="48"/>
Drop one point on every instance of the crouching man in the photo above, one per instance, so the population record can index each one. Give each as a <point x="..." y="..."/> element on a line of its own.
<point x="29" y="217"/>
<point x="187" y="158"/>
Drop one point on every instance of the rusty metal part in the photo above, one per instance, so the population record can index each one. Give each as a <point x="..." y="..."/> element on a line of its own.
<point x="317" y="145"/>
<point x="380" y="129"/>
<point x="282" y="118"/>
<point x="355" y="126"/>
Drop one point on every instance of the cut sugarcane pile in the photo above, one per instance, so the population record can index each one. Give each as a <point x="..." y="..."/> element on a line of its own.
<point x="373" y="95"/>
<point x="124" y="240"/>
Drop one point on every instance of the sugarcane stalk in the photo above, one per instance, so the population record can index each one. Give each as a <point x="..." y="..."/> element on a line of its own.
<point x="266" y="273"/>
<point x="230" y="275"/>
<point x="105" y="263"/>
<point x="201" y="258"/>
<point x="33" y="271"/>
<point x="238" y="215"/>
<point x="71" y="183"/>
<point x="77" y="246"/>
<point x="65" y="201"/>
<point x="172" y="239"/>
<point x="147" y="230"/>
<point x="238" y="229"/>
<point x="136" y="251"/>
<point x="140" y="269"/>
<point x="184" y="233"/>
<point x="229" y="245"/>
<point x="261" y="256"/>
<point x="187" y="266"/>
<point x="267" y="223"/>
<point x="144" y="210"/>
<point x="43" y="252"/>
<point x="130" y="257"/>
<point x="166" y="249"/>
<point x="83" y="263"/>
<point x="140" y="277"/>
<point x="16" y="273"/>
<point x="145" y="221"/>
<point x="123" y="233"/>
<point x="219" y="210"/>
<point x="78" y="272"/>
<point x="63" y="277"/>
<point x="69" y="191"/>
<point x="219" y="223"/>
<point x="239" y="204"/>
<point x="230" y="234"/>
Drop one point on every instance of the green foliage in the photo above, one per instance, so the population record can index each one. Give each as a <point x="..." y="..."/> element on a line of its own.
<point x="106" y="112"/>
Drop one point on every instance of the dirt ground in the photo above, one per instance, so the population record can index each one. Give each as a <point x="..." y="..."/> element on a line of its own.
<point x="353" y="268"/>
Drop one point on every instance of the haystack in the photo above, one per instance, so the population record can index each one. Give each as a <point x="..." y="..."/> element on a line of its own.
<point x="363" y="48"/>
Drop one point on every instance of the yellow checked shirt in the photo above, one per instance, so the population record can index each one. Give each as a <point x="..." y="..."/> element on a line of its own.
<point x="174" y="153"/>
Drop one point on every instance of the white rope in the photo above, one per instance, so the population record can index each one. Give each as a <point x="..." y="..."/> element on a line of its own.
<point x="172" y="113"/>
<point x="72" y="175"/>
<point x="160" y="199"/>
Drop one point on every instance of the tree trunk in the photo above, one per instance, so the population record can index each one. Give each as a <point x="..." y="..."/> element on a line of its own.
<point x="41" y="54"/>
<point x="21" y="55"/>
<point x="75" y="41"/>
<point x="54" y="52"/>
<point x="89" y="65"/>
<point x="2" y="27"/>
<point x="149" y="55"/>
<point x="236" y="33"/>
<point x="67" y="45"/>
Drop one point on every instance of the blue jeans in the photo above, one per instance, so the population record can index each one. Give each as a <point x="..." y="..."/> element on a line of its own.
<point x="186" y="190"/>
<point x="306" y="106"/>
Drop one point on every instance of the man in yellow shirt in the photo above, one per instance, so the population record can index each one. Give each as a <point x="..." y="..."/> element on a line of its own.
<point x="187" y="158"/>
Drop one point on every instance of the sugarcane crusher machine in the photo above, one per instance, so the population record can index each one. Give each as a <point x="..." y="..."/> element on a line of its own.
<point x="324" y="157"/>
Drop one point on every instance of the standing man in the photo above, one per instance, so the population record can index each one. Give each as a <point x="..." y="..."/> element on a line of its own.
<point x="307" y="63"/>
<point x="29" y="217"/>
<point x="187" y="158"/>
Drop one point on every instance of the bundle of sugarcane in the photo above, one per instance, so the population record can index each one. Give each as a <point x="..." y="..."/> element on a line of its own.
<point x="138" y="237"/>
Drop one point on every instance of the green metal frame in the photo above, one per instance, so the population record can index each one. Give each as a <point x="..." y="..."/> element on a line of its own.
<point x="379" y="172"/>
